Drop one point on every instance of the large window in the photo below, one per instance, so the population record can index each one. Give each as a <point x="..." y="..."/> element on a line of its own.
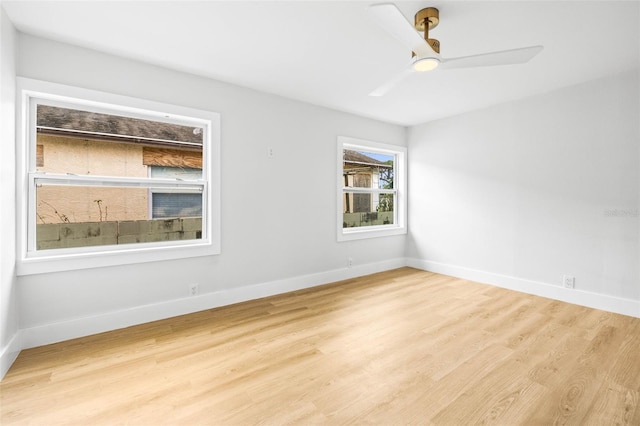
<point x="109" y="179"/>
<point x="371" y="189"/>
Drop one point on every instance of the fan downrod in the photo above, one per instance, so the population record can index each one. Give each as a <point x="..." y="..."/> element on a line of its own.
<point x="427" y="19"/>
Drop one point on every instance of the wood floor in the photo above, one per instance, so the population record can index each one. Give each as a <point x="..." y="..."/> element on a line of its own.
<point x="400" y="347"/>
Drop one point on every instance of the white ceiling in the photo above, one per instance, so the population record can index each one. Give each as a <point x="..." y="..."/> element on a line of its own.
<point x="330" y="53"/>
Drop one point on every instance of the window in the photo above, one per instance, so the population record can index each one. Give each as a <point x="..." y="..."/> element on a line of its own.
<point x="167" y="203"/>
<point x="371" y="189"/>
<point x="112" y="180"/>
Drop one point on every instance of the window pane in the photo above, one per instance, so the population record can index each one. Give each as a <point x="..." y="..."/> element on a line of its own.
<point x="176" y="205"/>
<point x="84" y="216"/>
<point x="176" y="173"/>
<point x="75" y="204"/>
<point x="367" y="209"/>
<point x="365" y="169"/>
<point x="87" y="143"/>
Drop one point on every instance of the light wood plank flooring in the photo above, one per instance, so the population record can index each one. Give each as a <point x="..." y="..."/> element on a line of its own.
<point x="399" y="347"/>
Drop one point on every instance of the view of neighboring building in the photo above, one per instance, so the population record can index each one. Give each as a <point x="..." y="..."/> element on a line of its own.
<point x="78" y="142"/>
<point x="362" y="170"/>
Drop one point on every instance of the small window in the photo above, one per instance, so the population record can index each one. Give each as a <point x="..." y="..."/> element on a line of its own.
<point x="177" y="203"/>
<point x="113" y="175"/>
<point x="371" y="189"/>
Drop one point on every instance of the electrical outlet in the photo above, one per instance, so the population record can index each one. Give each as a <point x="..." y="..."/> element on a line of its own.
<point x="270" y="152"/>
<point x="568" y="281"/>
<point x="350" y="262"/>
<point x="193" y="289"/>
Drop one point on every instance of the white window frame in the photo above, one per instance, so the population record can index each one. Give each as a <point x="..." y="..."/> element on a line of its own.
<point x="32" y="261"/>
<point x="399" y="225"/>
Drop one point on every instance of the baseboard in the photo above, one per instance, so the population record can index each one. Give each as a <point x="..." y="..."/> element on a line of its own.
<point x="9" y="353"/>
<point x="577" y="297"/>
<point x="85" y="326"/>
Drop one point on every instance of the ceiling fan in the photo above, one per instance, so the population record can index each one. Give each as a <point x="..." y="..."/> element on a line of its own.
<point x="426" y="51"/>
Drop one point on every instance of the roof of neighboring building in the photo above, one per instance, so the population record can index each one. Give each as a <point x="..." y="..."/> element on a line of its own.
<point x="91" y="125"/>
<point x="355" y="157"/>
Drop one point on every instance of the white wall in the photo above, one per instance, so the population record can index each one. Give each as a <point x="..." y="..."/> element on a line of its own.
<point x="278" y="218"/>
<point x="9" y="345"/>
<point x="521" y="193"/>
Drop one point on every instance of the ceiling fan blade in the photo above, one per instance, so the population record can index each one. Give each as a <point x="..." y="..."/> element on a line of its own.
<point x="503" y="57"/>
<point x="389" y="17"/>
<point x="382" y="90"/>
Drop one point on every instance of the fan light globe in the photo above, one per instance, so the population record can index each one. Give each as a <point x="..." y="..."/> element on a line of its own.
<point x="426" y="64"/>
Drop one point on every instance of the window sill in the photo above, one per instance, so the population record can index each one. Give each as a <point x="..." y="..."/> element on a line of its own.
<point x="350" y="234"/>
<point x="141" y="253"/>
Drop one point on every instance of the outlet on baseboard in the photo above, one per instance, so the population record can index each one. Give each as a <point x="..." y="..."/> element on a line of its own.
<point x="568" y="281"/>
<point x="194" y="289"/>
<point x="349" y="262"/>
